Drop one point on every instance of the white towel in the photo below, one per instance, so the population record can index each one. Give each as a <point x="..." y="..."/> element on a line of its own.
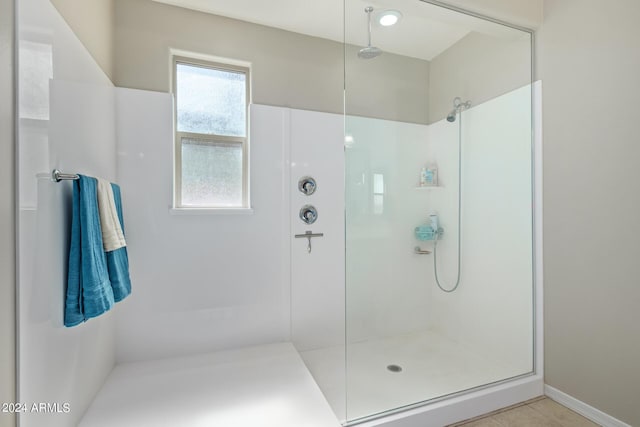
<point x="112" y="235"/>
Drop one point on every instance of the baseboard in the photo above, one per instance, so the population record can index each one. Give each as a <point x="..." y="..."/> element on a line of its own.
<point x="587" y="411"/>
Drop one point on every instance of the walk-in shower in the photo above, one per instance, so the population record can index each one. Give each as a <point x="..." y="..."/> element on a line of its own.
<point x="410" y="339"/>
<point x="368" y="191"/>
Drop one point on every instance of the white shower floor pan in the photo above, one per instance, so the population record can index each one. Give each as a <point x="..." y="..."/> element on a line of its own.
<point x="432" y="366"/>
<point x="266" y="386"/>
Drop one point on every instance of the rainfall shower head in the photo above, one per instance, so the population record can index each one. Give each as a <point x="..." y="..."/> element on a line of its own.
<point x="369" y="52"/>
<point x="458" y="106"/>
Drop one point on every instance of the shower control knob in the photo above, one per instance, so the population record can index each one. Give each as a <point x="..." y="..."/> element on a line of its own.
<point x="307" y="185"/>
<point x="308" y="214"/>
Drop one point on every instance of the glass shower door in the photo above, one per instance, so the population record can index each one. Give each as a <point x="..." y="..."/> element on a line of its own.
<point x="428" y="176"/>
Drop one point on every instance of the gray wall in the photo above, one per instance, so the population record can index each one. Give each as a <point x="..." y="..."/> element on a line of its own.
<point x="589" y="61"/>
<point x="391" y="87"/>
<point x="7" y="210"/>
<point x="289" y="69"/>
<point x="93" y="23"/>
<point x="526" y="13"/>
<point x="479" y="67"/>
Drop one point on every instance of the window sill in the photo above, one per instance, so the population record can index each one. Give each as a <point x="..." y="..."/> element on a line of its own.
<point x="211" y="211"/>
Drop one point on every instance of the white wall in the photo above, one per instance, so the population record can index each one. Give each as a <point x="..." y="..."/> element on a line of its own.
<point x="390" y="290"/>
<point x="589" y="63"/>
<point x="492" y="309"/>
<point x="209" y="282"/>
<point x="387" y="292"/>
<point x="200" y="282"/>
<point x="67" y="121"/>
<point x="317" y="278"/>
<point x="7" y="210"/>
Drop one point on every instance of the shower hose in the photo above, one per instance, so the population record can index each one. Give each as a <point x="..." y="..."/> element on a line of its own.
<point x="435" y="244"/>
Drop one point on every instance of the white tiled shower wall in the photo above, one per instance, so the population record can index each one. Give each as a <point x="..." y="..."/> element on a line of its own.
<point x="492" y="310"/>
<point x="317" y="278"/>
<point x="217" y="281"/>
<point x="67" y="121"/>
<point x="390" y="290"/>
<point x="201" y="282"/>
<point x="387" y="284"/>
<point x="213" y="281"/>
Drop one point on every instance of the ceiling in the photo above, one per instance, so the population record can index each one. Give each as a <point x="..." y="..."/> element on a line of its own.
<point x="424" y="31"/>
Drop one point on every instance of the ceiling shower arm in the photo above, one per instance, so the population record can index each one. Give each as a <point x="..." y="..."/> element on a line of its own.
<point x="369" y="10"/>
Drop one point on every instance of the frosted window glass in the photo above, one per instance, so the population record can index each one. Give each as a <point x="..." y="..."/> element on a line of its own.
<point x="211" y="101"/>
<point x="211" y="174"/>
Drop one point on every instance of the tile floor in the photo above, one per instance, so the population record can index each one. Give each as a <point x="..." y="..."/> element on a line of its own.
<point x="542" y="412"/>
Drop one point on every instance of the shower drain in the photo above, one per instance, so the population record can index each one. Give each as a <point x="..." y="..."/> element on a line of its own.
<point x="394" y="368"/>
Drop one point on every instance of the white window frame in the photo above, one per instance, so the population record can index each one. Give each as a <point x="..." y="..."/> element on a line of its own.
<point x="210" y="139"/>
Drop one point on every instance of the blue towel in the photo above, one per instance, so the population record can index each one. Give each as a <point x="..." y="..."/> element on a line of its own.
<point x="118" y="261"/>
<point x="89" y="292"/>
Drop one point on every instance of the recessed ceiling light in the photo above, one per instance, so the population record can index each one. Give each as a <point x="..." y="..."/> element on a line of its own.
<point x="390" y="17"/>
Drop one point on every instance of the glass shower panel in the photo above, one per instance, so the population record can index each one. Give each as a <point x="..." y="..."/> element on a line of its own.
<point x="435" y="184"/>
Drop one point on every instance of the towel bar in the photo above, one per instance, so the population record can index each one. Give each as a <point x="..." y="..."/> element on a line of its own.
<point x="57" y="176"/>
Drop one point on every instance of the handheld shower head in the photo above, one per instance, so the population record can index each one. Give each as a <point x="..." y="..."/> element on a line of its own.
<point x="458" y="106"/>
<point x="369" y="52"/>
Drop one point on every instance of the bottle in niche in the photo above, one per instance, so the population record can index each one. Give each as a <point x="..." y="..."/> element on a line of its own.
<point x="423" y="177"/>
<point x="432" y="175"/>
<point x="429" y="176"/>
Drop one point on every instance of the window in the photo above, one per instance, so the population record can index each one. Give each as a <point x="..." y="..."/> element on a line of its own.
<point x="211" y="122"/>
